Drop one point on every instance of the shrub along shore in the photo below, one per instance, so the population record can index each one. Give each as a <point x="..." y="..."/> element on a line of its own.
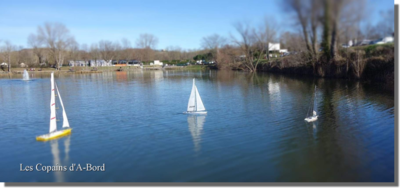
<point x="374" y="63"/>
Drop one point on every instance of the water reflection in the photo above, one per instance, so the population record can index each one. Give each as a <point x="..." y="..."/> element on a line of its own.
<point x="55" y="151"/>
<point x="312" y="129"/>
<point x="265" y="136"/>
<point x="196" y="127"/>
<point x="121" y="76"/>
<point x="275" y="95"/>
<point x="66" y="148"/>
<point x="56" y="160"/>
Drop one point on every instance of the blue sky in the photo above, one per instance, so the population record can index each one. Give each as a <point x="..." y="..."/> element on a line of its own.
<point x="175" y="22"/>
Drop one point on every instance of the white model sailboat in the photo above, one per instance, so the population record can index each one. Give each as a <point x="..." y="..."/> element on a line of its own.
<point x="53" y="133"/>
<point x="312" y="112"/>
<point x="195" y="105"/>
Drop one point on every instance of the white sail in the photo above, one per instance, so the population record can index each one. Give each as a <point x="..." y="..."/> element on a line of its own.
<point x="315" y="102"/>
<point x="199" y="102"/>
<point x="65" y="119"/>
<point x="53" y="120"/>
<point x="192" y="99"/>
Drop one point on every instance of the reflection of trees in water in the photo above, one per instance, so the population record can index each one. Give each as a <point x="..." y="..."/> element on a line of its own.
<point x="342" y="106"/>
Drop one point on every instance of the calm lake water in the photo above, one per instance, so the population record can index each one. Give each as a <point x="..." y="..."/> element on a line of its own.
<point x="254" y="130"/>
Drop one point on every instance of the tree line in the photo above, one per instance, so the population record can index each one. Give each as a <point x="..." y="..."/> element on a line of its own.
<point x="317" y="30"/>
<point x="53" y="45"/>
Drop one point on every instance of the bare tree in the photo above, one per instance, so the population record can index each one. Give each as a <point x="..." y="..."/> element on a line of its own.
<point x="117" y="51"/>
<point x="385" y="26"/>
<point x="94" y="53"/>
<point x="84" y="52"/>
<point x="27" y="57"/>
<point x="146" y="43"/>
<point x="74" y="51"/>
<point x="174" y="53"/>
<point x="336" y="14"/>
<point x="293" y="42"/>
<point x="336" y="7"/>
<point x="36" y="43"/>
<point x="254" y="43"/>
<point x="352" y="14"/>
<point x="126" y="49"/>
<point x="57" y="38"/>
<point x="6" y="49"/>
<point x="18" y="54"/>
<point x="268" y="33"/>
<point x="307" y="13"/>
<point x="245" y="43"/>
<point x="213" y="42"/>
<point x="107" y="50"/>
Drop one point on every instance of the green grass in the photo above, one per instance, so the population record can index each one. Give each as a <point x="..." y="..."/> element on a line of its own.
<point x="371" y="49"/>
<point x="195" y="67"/>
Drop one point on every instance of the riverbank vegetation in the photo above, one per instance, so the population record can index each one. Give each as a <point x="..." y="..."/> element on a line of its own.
<point x="320" y="48"/>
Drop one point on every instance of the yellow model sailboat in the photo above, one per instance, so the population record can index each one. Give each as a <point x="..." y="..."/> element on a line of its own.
<point x="53" y="132"/>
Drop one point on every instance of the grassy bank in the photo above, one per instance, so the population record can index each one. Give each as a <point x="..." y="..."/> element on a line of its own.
<point x="18" y="71"/>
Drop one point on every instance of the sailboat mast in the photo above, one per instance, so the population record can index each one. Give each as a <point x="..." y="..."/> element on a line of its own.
<point x="53" y="120"/>
<point x="315" y="98"/>
<point x="195" y="95"/>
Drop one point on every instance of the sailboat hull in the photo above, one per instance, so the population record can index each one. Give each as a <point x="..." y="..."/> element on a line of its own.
<point x="199" y="112"/>
<point x="54" y="135"/>
<point x="311" y="119"/>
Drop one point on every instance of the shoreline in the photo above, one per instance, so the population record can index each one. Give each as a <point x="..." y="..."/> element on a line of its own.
<point x="295" y="72"/>
<point x="91" y="70"/>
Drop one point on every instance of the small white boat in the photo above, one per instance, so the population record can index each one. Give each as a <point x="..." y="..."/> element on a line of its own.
<point x="195" y="105"/>
<point x="53" y="133"/>
<point x="312" y="112"/>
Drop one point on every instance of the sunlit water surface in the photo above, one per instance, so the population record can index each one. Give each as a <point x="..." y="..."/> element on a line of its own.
<point x="254" y="130"/>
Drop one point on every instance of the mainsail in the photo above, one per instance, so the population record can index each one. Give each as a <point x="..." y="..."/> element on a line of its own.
<point x="65" y="119"/>
<point x="195" y="103"/>
<point x="199" y="102"/>
<point x="313" y="107"/>
<point x="53" y="121"/>
<point x="192" y="99"/>
<point x="315" y="104"/>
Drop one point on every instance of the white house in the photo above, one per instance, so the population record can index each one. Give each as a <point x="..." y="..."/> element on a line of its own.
<point x="274" y="46"/>
<point x="157" y="62"/>
<point x="283" y="51"/>
<point x="363" y="42"/>
<point x="77" y="63"/>
<point x="99" y="63"/>
<point x="384" y="40"/>
<point x="350" y="43"/>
